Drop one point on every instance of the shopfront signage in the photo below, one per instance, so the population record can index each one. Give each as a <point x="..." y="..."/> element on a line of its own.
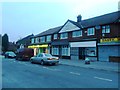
<point x="83" y="44"/>
<point x="109" y="40"/>
<point x="37" y="46"/>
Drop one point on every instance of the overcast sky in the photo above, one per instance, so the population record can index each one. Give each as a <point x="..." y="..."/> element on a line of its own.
<point x="20" y="19"/>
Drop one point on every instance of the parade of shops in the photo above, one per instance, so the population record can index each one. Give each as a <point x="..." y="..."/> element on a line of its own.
<point x="96" y="38"/>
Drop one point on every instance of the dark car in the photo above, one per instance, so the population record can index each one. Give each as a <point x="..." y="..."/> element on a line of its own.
<point x="10" y="54"/>
<point x="24" y="54"/>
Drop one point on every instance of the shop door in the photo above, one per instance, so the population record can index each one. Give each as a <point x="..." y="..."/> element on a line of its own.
<point x="60" y="52"/>
<point x="82" y="53"/>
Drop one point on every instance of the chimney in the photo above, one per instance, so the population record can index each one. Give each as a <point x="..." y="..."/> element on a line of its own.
<point x="79" y="18"/>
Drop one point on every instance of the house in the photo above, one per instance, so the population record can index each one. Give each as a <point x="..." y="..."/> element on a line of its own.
<point x="24" y="42"/>
<point x="42" y="42"/>
<point x="92" y="38"/>
<point x="12" y="46"/>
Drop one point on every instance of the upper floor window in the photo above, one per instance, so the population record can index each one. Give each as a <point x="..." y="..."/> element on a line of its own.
<point x="32" y="40"/>
<point x="106" y="29"/>
<point x="63" y="35"/>
<point x="48" y="38"/>
<point x="37" y="40"/>
<point x="55" y="36"/>
<point x="77" y="33"/>
<point x="90" y="31"/>
<point x="42" y="39"/>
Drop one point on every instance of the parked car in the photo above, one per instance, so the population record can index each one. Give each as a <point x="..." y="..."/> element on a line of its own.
<point x="10" y="54"/>
<point x="24" y="54"/>
<point x="44" y="58"/>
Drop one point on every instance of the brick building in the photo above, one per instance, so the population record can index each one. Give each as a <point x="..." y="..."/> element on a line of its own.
<point x="93" y="38"/>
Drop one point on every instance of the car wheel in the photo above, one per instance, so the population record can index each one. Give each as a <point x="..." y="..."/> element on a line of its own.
<point x="42" y="62"/>
<point x="16" y="58"/>
<point x="53" y="63"/>
<point x="31" y="60"/>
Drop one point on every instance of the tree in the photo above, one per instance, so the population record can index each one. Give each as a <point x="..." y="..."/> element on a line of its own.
<point x="5" y="42"/>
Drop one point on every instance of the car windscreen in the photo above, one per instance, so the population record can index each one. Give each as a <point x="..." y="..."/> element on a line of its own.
<point x="12" y="53"/>
<point x="48" y="55"/>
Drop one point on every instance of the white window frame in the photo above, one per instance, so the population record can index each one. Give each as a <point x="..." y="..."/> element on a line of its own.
<point x="48" y="38"/>
<point x="77" y="33"/>
<point x="63" y="35"/>
<point x="42" y="39"/>
<point x="37" y="40"/>
<point x="106" y="29"/>
<point x="32" y="40"/>
<point x="55" y="36"/>
<point x="91" y="31"/>
<point x="65" y="50"/>
<point x="55" y="50"/>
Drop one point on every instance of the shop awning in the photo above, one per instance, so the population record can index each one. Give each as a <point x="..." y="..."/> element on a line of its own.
<point x="64" y="42"/>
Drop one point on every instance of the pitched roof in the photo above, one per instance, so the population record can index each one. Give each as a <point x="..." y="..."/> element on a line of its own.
<point x="95" y="21"/>
<point x="23" y="40"/>
<point x="49" y="31"/>
<point x="100" y="20"/>
<point x="76" y="23"/>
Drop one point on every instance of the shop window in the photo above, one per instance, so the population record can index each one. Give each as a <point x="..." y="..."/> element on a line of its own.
<point x="90" y="51"/>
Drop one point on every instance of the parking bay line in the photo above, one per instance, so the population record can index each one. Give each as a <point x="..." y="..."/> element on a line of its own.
<point x="103" y="78"/>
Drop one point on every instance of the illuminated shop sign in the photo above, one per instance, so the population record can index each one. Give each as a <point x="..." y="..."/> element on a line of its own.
<point x="37" y="46"/>
<point x="109" y="40"/>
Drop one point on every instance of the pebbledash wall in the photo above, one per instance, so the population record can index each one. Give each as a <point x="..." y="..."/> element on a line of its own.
<point x="96" y="38"/>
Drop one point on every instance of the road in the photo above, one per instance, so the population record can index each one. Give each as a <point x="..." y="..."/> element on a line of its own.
<point x="23" y="74"/>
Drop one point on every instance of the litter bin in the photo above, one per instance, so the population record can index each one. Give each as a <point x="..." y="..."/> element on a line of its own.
<point x="87" y="61"/>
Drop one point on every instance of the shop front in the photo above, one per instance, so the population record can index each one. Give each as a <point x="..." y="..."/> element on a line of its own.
<point x="44" y="48"/>
<point x="82" y="50"/>
<point x="109" y="49"/>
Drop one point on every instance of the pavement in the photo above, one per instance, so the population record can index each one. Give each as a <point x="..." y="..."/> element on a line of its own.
<point x="108" y="66"/>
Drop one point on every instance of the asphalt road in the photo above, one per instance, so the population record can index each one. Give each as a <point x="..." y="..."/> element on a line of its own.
<point x="22" y="74"/>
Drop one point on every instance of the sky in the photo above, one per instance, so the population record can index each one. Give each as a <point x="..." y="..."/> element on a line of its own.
<point x="21" y="18"/>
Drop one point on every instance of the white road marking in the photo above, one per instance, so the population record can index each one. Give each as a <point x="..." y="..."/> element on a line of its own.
<point x="57" y="70"/>
<point x="44" y="67"/>
<point x="75" y="73"/>
<point x="52" y="69"/>
<point x="103" y="78"/>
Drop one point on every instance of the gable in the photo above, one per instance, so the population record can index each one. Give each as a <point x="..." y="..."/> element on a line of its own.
<point x="69" y="27"/>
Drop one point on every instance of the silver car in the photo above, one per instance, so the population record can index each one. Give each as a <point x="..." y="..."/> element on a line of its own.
<point x="44" y="58"/>
<point x="10" y="54"/>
